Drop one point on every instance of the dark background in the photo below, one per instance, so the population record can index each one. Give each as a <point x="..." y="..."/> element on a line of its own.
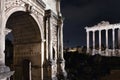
<point x="81" y="13"/>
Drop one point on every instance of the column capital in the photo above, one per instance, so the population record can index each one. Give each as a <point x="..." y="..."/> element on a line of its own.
<point x="100" y="30"/>
<point x="87" y="31"/>
<point x="113" y="28"/>
<point x="106" y="29"/>
<point x="60" y="20"/>
<point x="93" y="31"/>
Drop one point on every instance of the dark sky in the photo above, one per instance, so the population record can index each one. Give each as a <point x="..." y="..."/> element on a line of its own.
<point x="81" y="13"/>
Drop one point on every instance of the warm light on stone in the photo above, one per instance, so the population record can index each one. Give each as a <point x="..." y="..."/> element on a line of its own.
<point x="99" y="27"/>
<point x="37" y="27"/>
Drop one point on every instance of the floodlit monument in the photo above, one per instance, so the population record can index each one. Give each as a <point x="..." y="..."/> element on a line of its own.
<point x="106" y="26"/>
<point x="37" y="28"/>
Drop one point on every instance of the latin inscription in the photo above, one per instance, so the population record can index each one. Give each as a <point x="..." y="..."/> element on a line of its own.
<point x="27" y="49"/>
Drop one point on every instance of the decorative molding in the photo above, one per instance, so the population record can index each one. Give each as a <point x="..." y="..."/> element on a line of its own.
<point x="41" y="3"/>
<point x="13" y="3"/>
<point x="103" y="25"/>
<point x="54" y="35"/>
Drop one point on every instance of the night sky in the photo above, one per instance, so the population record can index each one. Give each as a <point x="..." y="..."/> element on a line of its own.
<point x="81" y="13"/>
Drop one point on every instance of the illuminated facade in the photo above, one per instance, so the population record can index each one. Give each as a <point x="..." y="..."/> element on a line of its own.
<point x="37" y="28"/>
<point x="100" y="27"/>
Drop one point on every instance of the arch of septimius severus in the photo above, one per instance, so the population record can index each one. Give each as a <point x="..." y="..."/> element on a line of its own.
<point x="36" y="26"/>
<point x="104" y="26"/>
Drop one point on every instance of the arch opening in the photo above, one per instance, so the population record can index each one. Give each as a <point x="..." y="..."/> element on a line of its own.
<point x="25" y="41"/>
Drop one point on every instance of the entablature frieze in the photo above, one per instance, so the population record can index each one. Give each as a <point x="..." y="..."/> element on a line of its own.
<point x="102" y="26"/>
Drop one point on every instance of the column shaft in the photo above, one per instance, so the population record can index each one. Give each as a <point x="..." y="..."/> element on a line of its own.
<point x="58" y="41"/>
<point x="87" y="41"/>
<point x="107" y="42"/>
<point x="61" y="41"/>
<point x="99" y="41"/>
<point x="113" y="39"/>
<point x="106" y="39"/>
<point x="93" y="42"/>
<point x="50" y="39"/>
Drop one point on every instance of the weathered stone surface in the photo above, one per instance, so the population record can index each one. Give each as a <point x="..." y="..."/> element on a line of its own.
<point x="5" y="72"/>
<point x="35" y="28"/>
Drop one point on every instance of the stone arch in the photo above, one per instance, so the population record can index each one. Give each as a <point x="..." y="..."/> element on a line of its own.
<point x="26" y="45"/>
<point x="20" y="8"/>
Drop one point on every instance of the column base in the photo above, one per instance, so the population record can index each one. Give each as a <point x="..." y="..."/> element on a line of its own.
<point x="107" y="52"/>
<point x="5" y="72"/>
<point x="87" y="52"/>
<point x="93" y="52"/>
<point x="113" y="52"/>
<point x="100" y="51"/>
<point x="62" y="74"/>
<point x="50" y="70"/>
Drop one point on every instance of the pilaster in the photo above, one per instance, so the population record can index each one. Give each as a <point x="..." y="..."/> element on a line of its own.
<point x="49" y="65"/>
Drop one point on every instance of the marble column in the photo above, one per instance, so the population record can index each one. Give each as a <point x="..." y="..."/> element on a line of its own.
<point x="99" y="41"/>
<point x="58" y="41"/>
<point x="61" y="41"/>
<point x="113" y="40"/>
<point x="93" y="43"/>
<point x="88" y="42"/>
<point x="61" y="58"/>
<point x="106" y="42"/>
<point x="50" y="40"/>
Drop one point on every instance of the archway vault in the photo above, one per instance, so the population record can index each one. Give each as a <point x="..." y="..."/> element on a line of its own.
<point x="23" y="27"/>
<point x="27" y="43"/>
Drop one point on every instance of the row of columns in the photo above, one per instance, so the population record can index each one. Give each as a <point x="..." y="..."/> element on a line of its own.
<point x="106" y="31"/>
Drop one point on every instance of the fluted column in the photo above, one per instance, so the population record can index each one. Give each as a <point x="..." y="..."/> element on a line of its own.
<point x="113" y="40"/>
<point x="61" y="40"/>
<point x="99" y="41"/>
<point x="61" y="60"/>
<point x="106" y="42"/>
<point x="50" y="57"/>
<point x="88" y="42"/>
<point x="93" y="42"/>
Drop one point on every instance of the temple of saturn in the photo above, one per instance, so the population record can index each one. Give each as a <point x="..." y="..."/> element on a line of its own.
<point x="106" y="26"/>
